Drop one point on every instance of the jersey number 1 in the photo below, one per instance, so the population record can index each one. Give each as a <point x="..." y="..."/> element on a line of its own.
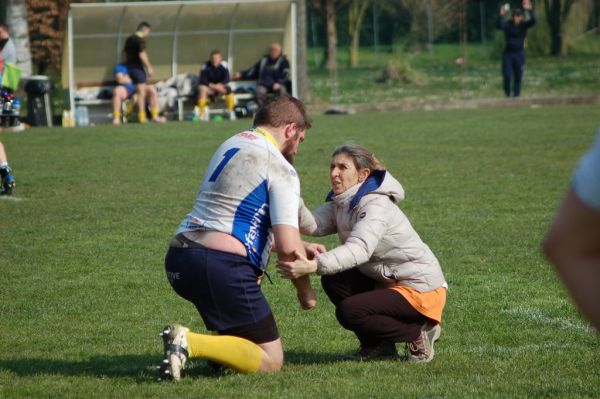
<point x="226" y="158"/>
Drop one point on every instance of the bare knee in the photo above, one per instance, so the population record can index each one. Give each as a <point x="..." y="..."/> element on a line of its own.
<point x="272" y="360"/>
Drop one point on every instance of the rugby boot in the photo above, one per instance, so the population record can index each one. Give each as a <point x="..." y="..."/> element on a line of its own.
<point x="382" y="351"/>
<point x="8" y="181"/>
<point x="421" y="349"/>
<point x="175" y="352"/>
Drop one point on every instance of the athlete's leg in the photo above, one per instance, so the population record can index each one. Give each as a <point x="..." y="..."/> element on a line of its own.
<point x="119" y="95"/>
<point x="203" y="99"/>
<point x="261" y="94"/>
<point x="518" y="69"/>
<point x="141" y="101"/>
<point x="3" y="157"/>
<point x="506" y="73"/>
<point x="152" y="98"/>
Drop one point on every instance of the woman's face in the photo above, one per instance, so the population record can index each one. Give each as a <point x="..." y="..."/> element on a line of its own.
<point x="343" y="174"/>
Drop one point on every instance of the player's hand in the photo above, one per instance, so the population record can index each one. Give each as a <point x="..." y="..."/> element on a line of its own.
<point x="313" y="249"/>
<point x="236" y="76"/>
<point x="276" y="86"/>
<point x="502" y="10"/>
<point x="297" y="268"/>
<point x="150" y="71"/>
<point x="307" y="298"/>
<point x="527" y="4"/>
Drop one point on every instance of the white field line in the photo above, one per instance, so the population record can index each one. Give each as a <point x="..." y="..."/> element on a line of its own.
<point x="11" y="198"/>
<point x="538" y="317"/>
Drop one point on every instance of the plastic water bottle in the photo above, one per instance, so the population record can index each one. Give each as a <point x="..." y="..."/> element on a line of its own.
<point x="78" y="116"/>
<point x="16" y="107"/>
<point x="85" y="117"/>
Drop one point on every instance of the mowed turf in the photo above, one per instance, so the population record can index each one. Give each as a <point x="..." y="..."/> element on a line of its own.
<point x="84" y="294"/>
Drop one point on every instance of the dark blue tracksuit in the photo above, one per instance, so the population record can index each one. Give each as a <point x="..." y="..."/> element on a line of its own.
<point x="513" y="59"/>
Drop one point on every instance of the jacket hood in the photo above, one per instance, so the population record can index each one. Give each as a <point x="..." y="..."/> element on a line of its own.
<point x="379" y="182"/>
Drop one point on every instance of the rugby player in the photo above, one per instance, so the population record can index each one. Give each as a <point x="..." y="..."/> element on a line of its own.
<point x="249" y="196"/>
<point x="214" y="79"/>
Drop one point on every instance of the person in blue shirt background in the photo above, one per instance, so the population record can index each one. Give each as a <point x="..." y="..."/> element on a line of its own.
<point x="126" y="89"/>
<point x="513" y="58"/>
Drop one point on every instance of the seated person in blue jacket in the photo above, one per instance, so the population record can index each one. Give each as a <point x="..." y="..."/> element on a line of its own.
<point x="125" y="89"/>
<point x="271" y="72"/>
<point x="214" y="79"/>
<point x="513" y="58"/>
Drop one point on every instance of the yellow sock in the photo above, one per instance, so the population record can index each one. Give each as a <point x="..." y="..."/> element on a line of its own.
<point x="142" y="117"/>
<point x="154" y="112"/>
<point x="202" y="105"/>
<point x="230" y="101"/>
<point x="234" y="352"/>
<point x="117" y="115"/>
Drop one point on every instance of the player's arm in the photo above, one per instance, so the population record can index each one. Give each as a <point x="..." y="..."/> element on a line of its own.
<point x="288" y="246"/>
<point x="146" y="61"/>
<point x="573" y="246"/>
<point x="122" y="78"/>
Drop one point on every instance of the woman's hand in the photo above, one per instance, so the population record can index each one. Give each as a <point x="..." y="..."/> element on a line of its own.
<point x="297" y="268"/>
<point x="313" y="249"/>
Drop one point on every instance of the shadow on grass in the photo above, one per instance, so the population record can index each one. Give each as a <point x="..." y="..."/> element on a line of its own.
<point x="141" y="368"/>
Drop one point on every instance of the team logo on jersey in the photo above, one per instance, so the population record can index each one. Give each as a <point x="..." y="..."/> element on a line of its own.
<point x="362" y="215"/>
<point x="248" y="136"/>
<point x="252" y="234"/>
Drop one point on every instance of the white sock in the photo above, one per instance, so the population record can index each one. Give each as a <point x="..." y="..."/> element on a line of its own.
<point x="3" y="165"/>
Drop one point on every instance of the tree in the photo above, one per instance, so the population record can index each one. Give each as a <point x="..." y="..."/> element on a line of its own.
<point x="46" y="29"/>
<point x="557" y="13"/>
<point x="356" y="13"/>
<point x="16" y="18"/>
<point x="303" y="88"/>
<point x="431" y="19"/>
<point x="328" y="7"/>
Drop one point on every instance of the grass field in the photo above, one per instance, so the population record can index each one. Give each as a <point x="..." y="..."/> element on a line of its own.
<point x="443" y="80"/>
<point x="84" y="293"/>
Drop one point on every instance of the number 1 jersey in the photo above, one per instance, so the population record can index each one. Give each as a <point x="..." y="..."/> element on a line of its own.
<point x="248" y="187"/>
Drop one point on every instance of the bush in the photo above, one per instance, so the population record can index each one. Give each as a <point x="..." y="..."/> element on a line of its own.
<point x="401" y="72"/>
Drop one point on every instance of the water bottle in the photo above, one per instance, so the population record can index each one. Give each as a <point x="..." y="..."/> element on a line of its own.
<point x="79" y="116"/>
<point x="16" y="107"/>
<point x="85" y="117"/>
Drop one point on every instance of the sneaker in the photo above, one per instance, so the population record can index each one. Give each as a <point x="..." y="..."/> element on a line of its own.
<point x="421" y="349"/>
<point x="383" y="351"/>
<point x="8" y="181"/>
<point x="176" y="352"/>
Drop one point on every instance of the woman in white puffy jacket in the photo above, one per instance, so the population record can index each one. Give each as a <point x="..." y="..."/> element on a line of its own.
<point x="385" y="282"/>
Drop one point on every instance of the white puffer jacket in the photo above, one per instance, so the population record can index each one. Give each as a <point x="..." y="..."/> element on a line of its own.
<point x="376" y="236"/>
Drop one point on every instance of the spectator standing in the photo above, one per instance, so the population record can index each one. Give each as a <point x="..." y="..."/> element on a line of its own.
<point x="513" y="58"/>
<point x="139" y="66"/>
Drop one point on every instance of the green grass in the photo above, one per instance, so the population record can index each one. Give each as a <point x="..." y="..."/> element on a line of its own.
<point x="445" y="81"/>
<point x="84" y="293"/>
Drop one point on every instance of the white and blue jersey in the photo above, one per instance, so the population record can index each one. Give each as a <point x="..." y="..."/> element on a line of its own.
<point x="248" y="187"/>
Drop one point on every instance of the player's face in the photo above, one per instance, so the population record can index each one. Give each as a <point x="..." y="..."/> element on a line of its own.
<point x="275" y="51"/>
<point x="216" y="59"/>
<point x="291" y="147"/>
<point x="343" y="173"/>
<point x="517" y="18"/>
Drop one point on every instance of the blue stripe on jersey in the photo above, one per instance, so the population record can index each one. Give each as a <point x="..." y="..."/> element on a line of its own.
<point x="251" y="223"/>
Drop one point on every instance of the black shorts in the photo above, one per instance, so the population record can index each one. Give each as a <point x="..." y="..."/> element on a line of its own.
<point x="224" y="289"/>
<point x="137" y="74"/>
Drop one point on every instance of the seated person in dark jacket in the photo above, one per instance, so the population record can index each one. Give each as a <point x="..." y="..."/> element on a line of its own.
<point x="214" y="77"/>
<point x="513" y="59"/>
<point x="271" y="72"/>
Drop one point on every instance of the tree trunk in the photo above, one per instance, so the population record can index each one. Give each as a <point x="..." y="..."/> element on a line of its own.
<point x="16" y="18"/>
<point x="356" y="12"/>
<point x="331" y="35"/>
<point x="557" y="13"/>
<point x="301" y="59"/>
